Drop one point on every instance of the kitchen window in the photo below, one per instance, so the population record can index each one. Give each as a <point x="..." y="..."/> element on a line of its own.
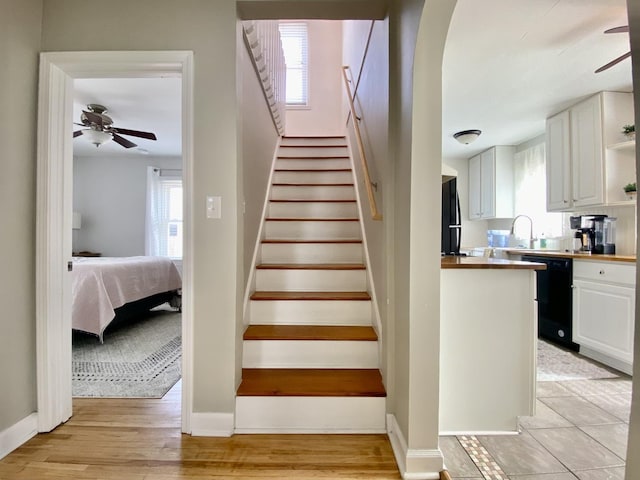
<point x="530" y="194"/>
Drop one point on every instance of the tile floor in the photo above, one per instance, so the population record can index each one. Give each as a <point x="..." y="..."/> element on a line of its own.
<point x="579" y="432"/>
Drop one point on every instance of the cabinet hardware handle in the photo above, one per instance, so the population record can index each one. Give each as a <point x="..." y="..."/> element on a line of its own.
<point x="565" y="201"/>
<point x="601" y="272"/>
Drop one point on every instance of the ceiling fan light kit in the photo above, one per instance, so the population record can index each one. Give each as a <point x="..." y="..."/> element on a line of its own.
<point x="467" y="136"/>
<point x="100" y="128"/>
<point x="97" y="137"/>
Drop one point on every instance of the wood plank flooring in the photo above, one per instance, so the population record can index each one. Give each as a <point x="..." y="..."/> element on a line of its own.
<point x="140" y="439"/>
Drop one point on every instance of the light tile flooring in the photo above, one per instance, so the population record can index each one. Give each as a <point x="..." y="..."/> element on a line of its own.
<point x="579" y="431"/>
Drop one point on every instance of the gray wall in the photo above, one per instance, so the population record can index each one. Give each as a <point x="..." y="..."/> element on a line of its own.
<point x="633" y="447"/>
<point x="259" y="139"/>
<point x="111" y="196"/>
<point x="20" y="22"/>
<point x="209" y="30"/>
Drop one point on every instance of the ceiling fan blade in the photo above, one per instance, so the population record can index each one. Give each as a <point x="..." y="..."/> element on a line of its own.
<point x="77" y="133"/>
<point x="93" y="117"/>
<point x="134" y="133"/>
<point x="613" y="62"/>
<point x="122" y="141"/>
<point x="622" y="29"/>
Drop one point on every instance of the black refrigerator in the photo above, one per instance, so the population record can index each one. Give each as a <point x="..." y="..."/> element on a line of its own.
<point x="451" y="220"/>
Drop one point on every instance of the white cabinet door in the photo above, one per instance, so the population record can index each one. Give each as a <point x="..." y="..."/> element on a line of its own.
<point x="491" y="184"/>
<point x="603" y="318"/>
<point x="475" y="207"/>
<point x="488" y="183"/>
<point x="586" y="153"/>
<point x="558" y="162"/>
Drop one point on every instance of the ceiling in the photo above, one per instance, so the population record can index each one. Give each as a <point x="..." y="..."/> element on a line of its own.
<point x="508" y="65"/>
<point x="147" y="104"/>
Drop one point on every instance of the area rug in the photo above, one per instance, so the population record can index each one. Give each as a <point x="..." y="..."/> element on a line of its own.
<point x="139" y="358"/>
<point x="558" y="364"/>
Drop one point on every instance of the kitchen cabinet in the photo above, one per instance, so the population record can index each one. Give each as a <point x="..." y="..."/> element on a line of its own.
<point x="584" y="167"/>
<point x="491" y="184"/>
<point x="604" y="311"/>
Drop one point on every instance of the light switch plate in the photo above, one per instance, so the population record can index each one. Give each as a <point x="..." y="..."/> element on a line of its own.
<point x="214" y="206"/>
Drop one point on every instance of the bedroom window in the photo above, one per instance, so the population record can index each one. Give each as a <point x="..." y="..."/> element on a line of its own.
<point x="295" y="45"/>
<point x="164" y="213"/>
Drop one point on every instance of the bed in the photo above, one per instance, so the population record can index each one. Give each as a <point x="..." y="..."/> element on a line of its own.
<point x="105" y="287"/>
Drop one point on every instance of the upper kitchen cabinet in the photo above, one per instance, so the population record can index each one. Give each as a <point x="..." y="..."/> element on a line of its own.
<point x="491" y="184"/>
<point x="584" y="167"/>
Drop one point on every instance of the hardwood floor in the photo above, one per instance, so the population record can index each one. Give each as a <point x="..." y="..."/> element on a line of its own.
<point x="140" y="439"/>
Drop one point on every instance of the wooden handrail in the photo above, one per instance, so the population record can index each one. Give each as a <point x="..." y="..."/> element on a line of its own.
<point x="375" y="214"/>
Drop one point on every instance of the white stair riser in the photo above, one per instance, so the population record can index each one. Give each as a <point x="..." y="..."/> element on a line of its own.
<point x="310" y="415"/>
<point x="311" y="253"/>
<point x="309" y="354"/>
<point x="321" y="152"/>
<point x="312" y="177"/>
<point x="313" y="193"/>
<point x="311" y="230"/>
<point x="311" y="280"/>
<point x="305" y="141"/>
<point x="310" y="312"/>
<point x="311" y="164"/>
<point x="313" y="209"/>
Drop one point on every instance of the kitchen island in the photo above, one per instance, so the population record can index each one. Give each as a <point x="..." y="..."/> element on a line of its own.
<point x="488" y="339"/>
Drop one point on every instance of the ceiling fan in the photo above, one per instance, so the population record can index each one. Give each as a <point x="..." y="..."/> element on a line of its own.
<point x="623" y="29"/>
<point x="100" y="128"/>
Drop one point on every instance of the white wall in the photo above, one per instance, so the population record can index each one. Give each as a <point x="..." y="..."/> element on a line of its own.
<point x="372" y="105"/>
<point x="20" y="24"/>
<point x="111" y="196"/>
<point x="323" y="115"/>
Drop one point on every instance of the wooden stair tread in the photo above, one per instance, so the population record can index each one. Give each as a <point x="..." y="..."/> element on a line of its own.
<point x="268" y="295"/>
<point x="304" y="200"/>
<point x="310" y="219"/>
<point x="314" y="157"/>
<point x="310" y="332"/>
<point x="314" y="146"/>
<point x="306" y="382"/>
<point x="296" y="241"/>
<point x="311" y="137"/>
<point x="311" y="266"/>
<point x="313" y="184"/>
<point x="306" y="170"/>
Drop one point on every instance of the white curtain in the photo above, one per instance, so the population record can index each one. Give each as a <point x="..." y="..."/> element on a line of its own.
<point x="531" y="194"/>
<point x="163" y="223"/>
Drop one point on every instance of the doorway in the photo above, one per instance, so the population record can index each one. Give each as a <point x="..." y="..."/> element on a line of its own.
<point x="54" y="218"/>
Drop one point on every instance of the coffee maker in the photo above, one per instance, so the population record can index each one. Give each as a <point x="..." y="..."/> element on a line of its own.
<point x="597" y="233"/>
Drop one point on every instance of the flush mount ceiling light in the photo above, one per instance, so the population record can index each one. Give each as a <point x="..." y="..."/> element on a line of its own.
<point x="97" y="137"/>
<point x="467" y="136"/>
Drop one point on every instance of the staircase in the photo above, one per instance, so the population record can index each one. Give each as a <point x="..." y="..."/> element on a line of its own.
<point x="310" y="354"/>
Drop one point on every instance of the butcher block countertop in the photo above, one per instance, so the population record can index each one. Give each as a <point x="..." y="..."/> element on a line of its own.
<point x="489" y="263"/>
<point x="577" y="256"/>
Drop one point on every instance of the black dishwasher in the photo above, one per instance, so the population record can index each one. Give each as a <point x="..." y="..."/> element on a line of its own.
<point x="554" y="296"/>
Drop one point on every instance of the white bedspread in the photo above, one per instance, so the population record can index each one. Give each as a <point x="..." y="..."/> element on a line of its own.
<point x="102" y="284"/>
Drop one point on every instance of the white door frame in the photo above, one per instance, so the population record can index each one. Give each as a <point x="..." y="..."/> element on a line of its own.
<point x="54" y="208"/>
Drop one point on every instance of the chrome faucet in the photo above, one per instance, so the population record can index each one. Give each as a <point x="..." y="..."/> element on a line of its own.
<point x="513" y="224"/>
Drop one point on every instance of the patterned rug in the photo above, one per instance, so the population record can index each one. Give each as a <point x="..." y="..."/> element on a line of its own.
<point x="558" y="364"/>
<point x="139" y="359"/>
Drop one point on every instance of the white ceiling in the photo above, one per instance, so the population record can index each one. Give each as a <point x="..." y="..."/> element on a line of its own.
<point x="146" y="104"/>
<point x="508" y="65"/>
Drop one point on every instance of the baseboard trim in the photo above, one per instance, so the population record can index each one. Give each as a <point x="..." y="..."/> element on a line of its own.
<point x="212" y="424"/>
<point x="18" y="434"/>
<point x="413" y="464"/>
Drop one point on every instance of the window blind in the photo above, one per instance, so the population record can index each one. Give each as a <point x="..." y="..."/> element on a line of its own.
<point x="296" y="53"/>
